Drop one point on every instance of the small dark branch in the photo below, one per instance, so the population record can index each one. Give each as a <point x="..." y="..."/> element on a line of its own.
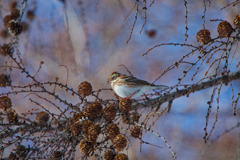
<point x="204" y="13"/>
<point x="151" y="3"/>
<point x="174" y="44"/>
<point x="145" y="14"/>
<point x="169" y="106"/>
<point x="157" y="134"/>
<point x="225" y="132"/>
<point x="10" y="67"/>
<point x="11" y="132"/>
<point x="136" y="3"/>
<point x="216" y="114"/>
<point x="67" y="73"/>
<point x="126" y="69"/>
<point x="55" y="85"/>
<point x="215" y="20"/>
<point x="47" y="101"/>
<point x="130" y="12"/>
<point x="233" y="4"/>
<point x="23" y="7"/>
<point x="150" y="144"/>
<point x="203" y="59"/>
<point x="157" y="107"/>
<point x="41" y="63"/>
<point x="235" y="105"/>
<point x="186" y="28"/>
<point x="234" y="54"/>
<point x="192" y="87"/>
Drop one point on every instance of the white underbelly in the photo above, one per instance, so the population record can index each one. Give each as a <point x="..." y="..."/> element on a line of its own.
<point x="123" y="91"/>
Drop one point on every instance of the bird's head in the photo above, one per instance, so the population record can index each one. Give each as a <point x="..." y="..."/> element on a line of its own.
<point x="114" y="76"/>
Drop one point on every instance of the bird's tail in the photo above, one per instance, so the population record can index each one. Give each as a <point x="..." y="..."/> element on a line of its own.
<point x="161" y="87"/>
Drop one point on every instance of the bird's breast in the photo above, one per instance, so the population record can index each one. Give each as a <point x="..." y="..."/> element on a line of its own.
<point x="124" y="90"/>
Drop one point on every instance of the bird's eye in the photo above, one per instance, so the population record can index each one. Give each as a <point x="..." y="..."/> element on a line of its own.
<point x="114" y="76"/>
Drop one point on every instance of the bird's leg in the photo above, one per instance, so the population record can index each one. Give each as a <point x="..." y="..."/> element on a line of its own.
<point x="131" y="95"/>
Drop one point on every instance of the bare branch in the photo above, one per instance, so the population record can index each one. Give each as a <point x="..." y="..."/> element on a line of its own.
<point x="203" y="85"/>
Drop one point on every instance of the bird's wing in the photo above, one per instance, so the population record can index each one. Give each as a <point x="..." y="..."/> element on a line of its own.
<point x="138" y="81"/>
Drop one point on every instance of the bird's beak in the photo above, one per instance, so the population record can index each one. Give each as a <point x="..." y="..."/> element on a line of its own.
<point x="108" y="81"/>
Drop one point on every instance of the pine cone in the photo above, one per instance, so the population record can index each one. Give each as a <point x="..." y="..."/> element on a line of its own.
<point x="21" y="151"/>
<point x="6" y="50"/>
<point x="76" y="127"/>
<point x="7" y="19"/>
<point x="5" y="102"/>
<point x="93" y="131"/>
<point x="203" y="36"/>
<point x="15" y="13"/>
<point x="57" y="155"/>
<point x="119" y="142"/>
<point x="42" y="117"/>
<point x="134" y="116"/>
<point x="30" y="15"/>
<point x="4" y="80"/>
<point x="236" y="21"/>
<point x="12" y="156"/>
<point x="12" y="115"/>
<point x="14" y="27"/>
<point x="108" y="155"/>
<point x="25" y="26"/>
<point x="109" y="112"/>
<point x="112" y="131"/>
<point x="78" y="116"/>
<point x="135" y="131"/>
<point x="125" y="105"/>
<point x="85" y="89"/>
<point x="224" y="29"/>
<point x="121" y="156"/>
<point x="85" y="125"/>
<point x="151" y="33"/>
<point x="85" y="146"/>
<point x="130" y="116"/>
<point x="3" y="34"/>
<point x="12" y="5"/>
<point x="92" y="110"/>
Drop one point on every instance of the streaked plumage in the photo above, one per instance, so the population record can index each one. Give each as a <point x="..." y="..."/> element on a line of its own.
<point x="128" y="86"/>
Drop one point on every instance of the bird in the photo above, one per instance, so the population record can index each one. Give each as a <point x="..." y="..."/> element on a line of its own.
<point x="130" y="87"/>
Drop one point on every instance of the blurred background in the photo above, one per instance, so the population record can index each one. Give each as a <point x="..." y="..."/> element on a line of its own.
<point x="89" y="37"/>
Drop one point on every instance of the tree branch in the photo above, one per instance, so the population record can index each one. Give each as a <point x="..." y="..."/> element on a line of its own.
<point x="179" y="93"/>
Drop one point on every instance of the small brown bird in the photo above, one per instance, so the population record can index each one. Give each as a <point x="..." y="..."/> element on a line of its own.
<point x="130" y="87"/>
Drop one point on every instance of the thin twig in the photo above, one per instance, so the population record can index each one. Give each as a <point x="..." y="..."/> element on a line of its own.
<point x="130" y="11"/>
<point x="41" y="63"/>
<point x="67" y="73"/>
<point x="126" y="69"/>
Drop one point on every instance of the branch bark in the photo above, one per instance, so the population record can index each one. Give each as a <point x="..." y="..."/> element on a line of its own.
<point x="179" y="93"/>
